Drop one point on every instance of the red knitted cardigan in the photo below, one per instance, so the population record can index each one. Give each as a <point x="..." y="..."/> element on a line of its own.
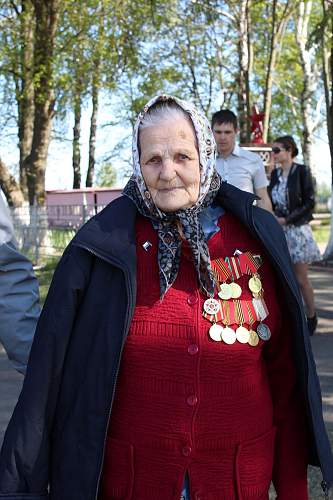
<point x="229" y="415"/>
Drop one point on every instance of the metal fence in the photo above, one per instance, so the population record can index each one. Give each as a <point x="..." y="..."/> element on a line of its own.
<point x="45" y="231"/>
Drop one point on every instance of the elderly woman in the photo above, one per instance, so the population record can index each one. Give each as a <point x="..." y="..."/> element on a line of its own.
<point x="171" y="359"/>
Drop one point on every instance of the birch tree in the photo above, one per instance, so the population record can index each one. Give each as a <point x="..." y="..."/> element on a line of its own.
<point x="244" y="50"/>
<point x="310" y="104"/>
<point x="326" y="39"/>
<point x="280" y="15"/>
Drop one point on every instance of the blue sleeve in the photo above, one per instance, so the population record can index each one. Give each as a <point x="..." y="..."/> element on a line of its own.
<point x="19" y="305"/>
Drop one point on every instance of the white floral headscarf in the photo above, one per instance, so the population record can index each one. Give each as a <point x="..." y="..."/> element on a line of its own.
<point x="166" y="223"/>
<point x="205" y="139"/>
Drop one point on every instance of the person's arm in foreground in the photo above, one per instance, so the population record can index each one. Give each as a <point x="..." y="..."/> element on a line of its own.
<point x="19" y="305"/>
<point x="24" y="459"/>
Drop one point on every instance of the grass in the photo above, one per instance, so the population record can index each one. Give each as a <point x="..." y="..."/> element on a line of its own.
<point x="321" y="232"/>
<point x="44" y="274"/>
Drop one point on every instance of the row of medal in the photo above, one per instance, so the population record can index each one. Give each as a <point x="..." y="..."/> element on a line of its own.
<point x="229" y="311"/>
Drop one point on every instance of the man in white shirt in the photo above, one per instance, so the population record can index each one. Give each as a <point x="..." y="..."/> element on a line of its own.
<point x="236" y="165"/>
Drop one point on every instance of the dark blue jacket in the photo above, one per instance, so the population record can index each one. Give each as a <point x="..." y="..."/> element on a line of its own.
<point x="55" y="440"/>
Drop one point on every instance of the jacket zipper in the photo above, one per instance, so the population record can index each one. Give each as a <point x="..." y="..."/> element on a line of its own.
<point x="116" y="263"/>
<point x="323" y="483"/>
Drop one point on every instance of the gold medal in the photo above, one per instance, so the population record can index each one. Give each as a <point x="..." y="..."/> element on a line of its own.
<point x="242" y="335"/>
<point x="228" y="335"/>
<point x="225" y="292"/>
<point x="255" y="284"/>
<point x="253" y="338"/>
<point x="215" y="332"/>
<point x="211" y="306"/>
<point x="236" y="290"/>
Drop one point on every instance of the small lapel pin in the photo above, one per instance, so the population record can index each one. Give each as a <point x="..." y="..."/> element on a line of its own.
<point x="147" y="245"/>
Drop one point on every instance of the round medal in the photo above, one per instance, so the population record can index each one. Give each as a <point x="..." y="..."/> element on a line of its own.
<point x="255" y="284"/>
<point x="253" y="338"/>
<point x="263" y="331"/>
<point x="236" y="290"/>
<point x="211" y="306"/>
<point x="228" y="335"/>
<point x="215" y="332"/>
<point x="225" y="292"/>
<point x="242" y="335"/>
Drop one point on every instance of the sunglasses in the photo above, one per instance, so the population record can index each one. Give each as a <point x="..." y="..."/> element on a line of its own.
<point x="277" y="150"/>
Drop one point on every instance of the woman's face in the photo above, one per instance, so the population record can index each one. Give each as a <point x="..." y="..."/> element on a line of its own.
<point x="169" y="161"/>
<point x="280" y="154"/>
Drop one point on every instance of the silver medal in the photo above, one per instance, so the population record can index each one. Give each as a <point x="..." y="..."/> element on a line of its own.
<point x="263" y="331"/>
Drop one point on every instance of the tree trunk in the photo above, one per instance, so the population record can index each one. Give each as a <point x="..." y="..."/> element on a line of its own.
<point x="278" y="29"/>
<point x="10" y="187"/>
<point x="327" y="58"/>
<point x="25" y="99"/>
<point x="93" y="126"/>
<point x="46" y="18"/>
<point x="243" y="86"/>
<point x="311" y="78"/>
<point x="76" y="142"/>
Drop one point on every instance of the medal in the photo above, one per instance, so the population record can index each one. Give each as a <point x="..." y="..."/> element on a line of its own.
<point x="242" y="335"/>
<point x="211" y="306"/>
<point x="221" y="270"/>
<point x="260" y="308"/>
<point x="236" y="290"/>
<point x="225" y="292"/>
<point x="248" y="264"/>
<point x="255" y="284"/>
<point x="241" y="314"/>
<point x="215" y="332"/>
<point x="263" y="331"/>
<point x="234" y="265"/>
<point x="228" y="335"/>
<point x="253" y="338"/>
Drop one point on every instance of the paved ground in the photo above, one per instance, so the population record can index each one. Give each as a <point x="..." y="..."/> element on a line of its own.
<point x="322" y="342"/>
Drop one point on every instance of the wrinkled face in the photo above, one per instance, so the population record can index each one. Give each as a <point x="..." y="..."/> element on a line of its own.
<point x="225" y="137"/>
<point x="169" y="161"/>
<point x="280" y="155"/>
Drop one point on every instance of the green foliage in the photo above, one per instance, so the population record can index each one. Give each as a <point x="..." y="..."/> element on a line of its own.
<point x="134" y="50"/>
<point x="323" y="192"/>
<point x="106" y="175"/>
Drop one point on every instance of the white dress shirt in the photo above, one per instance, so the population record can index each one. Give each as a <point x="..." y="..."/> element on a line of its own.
<point x="242" y="169"/>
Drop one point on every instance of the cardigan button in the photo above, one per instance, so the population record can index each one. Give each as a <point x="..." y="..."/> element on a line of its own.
<point x="186" y="451"/>
<point x="193" y="349"/>
<point x="192" y="400"/>
<point x="192" y="300"/>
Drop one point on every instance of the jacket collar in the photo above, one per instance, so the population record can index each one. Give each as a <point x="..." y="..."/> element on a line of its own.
<point x="111" y="234"/>
<point x="238" y="202"/>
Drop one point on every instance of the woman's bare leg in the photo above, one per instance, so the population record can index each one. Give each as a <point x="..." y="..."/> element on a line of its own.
<point x="301" y="271"/>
